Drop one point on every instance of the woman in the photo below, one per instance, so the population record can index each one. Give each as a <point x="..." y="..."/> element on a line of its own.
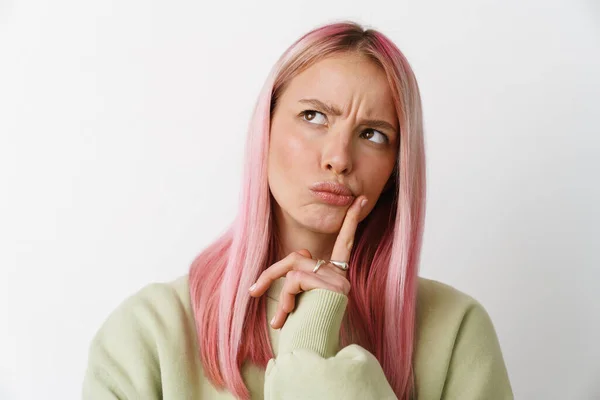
<point x="313" y="291"/>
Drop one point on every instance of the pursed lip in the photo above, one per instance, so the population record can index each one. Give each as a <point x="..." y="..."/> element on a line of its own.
<point x="332" y="187"/>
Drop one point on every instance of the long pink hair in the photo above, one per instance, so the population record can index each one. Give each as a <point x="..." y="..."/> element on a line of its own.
<point x="231" y="325"/>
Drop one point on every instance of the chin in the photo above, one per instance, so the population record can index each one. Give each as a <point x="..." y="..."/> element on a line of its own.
<point x="322" y="222"/>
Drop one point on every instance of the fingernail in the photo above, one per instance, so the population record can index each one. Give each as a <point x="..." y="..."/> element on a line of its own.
<point x="272" y="321"/>
<point x="252" y="287"/>
<point x="363" y="202"/>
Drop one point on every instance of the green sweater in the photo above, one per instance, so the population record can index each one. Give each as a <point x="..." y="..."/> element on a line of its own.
<point x="147" y="349"/>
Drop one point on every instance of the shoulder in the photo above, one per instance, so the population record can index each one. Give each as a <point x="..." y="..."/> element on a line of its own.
<point x="456" y="342"/>
<point x="142" y="335"/>
<point x="149" y="305"/>
<point x="442" y="311"/>
<point x="435" y="298"/>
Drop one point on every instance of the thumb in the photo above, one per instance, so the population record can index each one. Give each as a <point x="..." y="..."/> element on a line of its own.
<point x="305" y="253"/>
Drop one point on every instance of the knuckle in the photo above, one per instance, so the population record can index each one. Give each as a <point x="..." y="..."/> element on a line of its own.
<point x="342" y="286"/>
<point x="296" y="256"/>
<point x="347" y="286"/>
<point x="293" y="274"/>
<point x="300" y="274"/>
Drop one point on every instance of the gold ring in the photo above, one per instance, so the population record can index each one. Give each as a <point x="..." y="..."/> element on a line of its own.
<point x="319" y="263"/>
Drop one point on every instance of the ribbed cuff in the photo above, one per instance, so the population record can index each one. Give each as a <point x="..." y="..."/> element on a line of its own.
<point x="315" y="323"/>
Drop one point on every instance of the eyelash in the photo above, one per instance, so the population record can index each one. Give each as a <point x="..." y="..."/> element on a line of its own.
<point x="303" y="113"/>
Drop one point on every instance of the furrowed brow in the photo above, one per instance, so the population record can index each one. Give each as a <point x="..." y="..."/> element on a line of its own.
<point x="325" y="107"/>
<point x="373" y="123"/>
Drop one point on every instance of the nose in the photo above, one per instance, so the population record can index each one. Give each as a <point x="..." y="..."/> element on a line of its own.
<point x="337" y="154"/>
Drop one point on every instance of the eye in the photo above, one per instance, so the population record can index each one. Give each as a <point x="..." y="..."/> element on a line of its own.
<point x="310" y="115"/>
<point x="373" y="133"/>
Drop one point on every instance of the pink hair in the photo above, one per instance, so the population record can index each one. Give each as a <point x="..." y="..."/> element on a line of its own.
<point x="231" y="324"/>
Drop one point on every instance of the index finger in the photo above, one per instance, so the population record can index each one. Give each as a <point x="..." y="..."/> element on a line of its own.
<point x="343" y="244"/>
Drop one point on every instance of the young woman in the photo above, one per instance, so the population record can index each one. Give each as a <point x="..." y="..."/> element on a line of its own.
<point x="313" y="292"/>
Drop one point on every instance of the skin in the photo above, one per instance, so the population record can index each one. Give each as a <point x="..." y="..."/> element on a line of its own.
<point x="309" y="144"/>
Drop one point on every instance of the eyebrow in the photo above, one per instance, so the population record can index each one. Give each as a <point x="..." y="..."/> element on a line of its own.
<point x="330" y="109"/>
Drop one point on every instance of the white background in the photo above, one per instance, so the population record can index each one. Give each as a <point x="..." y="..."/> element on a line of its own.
<point x="122" y="130"/>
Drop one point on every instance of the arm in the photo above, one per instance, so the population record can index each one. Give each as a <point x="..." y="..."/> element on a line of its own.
<point x="307" y="365"/>
<point x="477" y="369"/>
<point x="122" y="360"/>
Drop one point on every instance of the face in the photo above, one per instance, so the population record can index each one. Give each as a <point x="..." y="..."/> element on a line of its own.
<point x="310" y="143"/>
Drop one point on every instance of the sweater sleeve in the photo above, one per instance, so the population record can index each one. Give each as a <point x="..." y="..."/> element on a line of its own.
<point x="122" y="358"/>
<point x="308" y="364"/>
<point x="477" y="369"/>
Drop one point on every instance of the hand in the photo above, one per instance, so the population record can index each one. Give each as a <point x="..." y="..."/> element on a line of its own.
<point x="297" y="268"/>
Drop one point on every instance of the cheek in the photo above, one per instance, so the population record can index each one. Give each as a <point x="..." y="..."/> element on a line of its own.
<point x="289" y="150"/>
<point x="289" y="167"/>
<point x="377" y="174"/>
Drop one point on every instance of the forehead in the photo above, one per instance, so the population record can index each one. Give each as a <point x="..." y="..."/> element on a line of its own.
<point x="345" y="80"/>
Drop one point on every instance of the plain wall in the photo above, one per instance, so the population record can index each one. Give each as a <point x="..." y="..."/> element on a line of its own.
<point x="122" y="130"/>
